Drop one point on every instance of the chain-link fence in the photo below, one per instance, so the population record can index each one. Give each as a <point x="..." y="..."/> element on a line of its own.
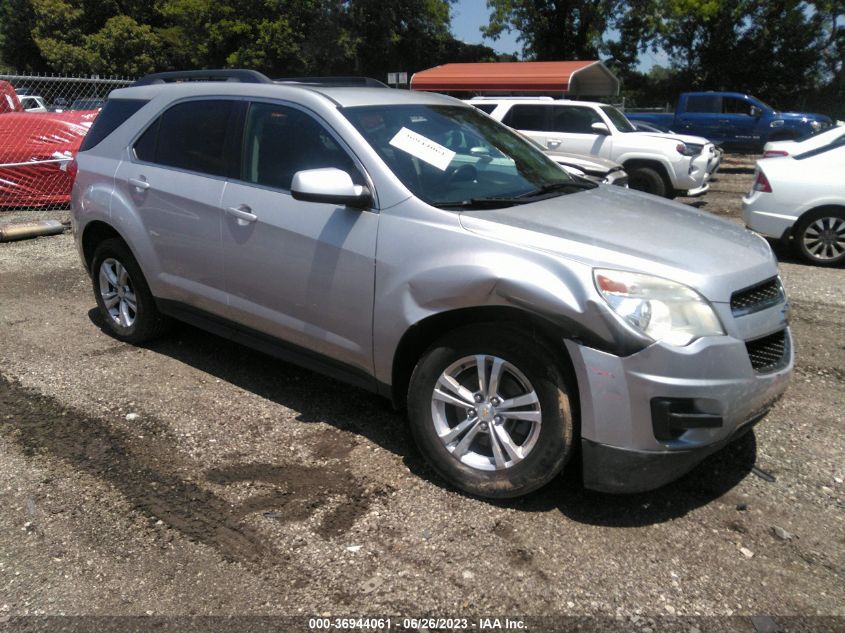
<point x="42" y="123"/>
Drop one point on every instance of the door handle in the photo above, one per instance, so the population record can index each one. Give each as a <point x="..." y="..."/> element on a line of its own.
<point x="553" y="144"/>
<point x="243" y="214"/>
<point x="139" y="183"/>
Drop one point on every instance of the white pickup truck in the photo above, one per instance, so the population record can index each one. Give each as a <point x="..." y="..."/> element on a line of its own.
<point x="663" y="164"/>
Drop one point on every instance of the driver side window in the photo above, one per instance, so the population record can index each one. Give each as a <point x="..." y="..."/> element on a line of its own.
<point x="280" y="141"/>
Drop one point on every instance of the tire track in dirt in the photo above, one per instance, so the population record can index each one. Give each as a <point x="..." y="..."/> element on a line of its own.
<point x="148" y="476"/>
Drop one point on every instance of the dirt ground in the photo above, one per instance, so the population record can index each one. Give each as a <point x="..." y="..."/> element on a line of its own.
<point x="197" y="477"/>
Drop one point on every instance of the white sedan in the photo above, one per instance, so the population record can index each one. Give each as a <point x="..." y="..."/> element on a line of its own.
<point x="791" y="148"/>
<point x="801" y="198"/>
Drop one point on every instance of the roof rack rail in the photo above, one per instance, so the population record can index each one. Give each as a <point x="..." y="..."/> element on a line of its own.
<point x="220" y="74"/>
<point x="335" y="82"/>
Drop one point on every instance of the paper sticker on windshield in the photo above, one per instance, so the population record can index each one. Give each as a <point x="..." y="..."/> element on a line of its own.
<point x="423" y="148"/>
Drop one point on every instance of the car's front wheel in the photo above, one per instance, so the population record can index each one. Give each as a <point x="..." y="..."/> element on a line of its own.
<point x="820" y="237"/>
<point x="123" y="296"/>
<point x="489" y="409"/>
<point x="648" y="180"/>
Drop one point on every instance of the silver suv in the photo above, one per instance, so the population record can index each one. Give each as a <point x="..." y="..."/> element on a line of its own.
<point x="413" y="246"/>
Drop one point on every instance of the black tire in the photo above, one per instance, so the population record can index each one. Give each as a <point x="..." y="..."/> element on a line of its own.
<point x="648" y="180"/>
<point x="554" y="438"/>
<point x="147" y="323"/>
<point x="814" y="251"/>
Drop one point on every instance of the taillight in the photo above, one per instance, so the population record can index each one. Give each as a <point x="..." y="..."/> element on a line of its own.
<point x="771" y="153"/>
<point x="762" y="183"/>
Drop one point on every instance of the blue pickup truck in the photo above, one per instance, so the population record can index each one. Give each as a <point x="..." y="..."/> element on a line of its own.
<point x="735" y="121"/>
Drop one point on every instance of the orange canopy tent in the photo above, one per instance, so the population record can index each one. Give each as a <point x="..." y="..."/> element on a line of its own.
<point x="581" y="78"/>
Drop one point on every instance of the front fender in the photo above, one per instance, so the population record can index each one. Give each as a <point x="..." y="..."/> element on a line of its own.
<point x="445" y="268"/>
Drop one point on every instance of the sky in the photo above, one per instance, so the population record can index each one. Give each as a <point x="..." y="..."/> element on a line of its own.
<point x="469" y="15"/>
<point x="467" y="18"/>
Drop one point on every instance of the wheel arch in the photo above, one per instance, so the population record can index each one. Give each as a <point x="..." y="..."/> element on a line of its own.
<point x="634" y="163"/>
<point x="93" y="234"/>
<point x="420" y="336"/>
<point x="815" y="210"/>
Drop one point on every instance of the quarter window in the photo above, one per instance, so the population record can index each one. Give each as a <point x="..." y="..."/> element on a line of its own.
<point x="280" y="141"/>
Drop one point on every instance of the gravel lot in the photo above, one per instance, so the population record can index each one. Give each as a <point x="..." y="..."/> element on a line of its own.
<point x="196" y="477"/>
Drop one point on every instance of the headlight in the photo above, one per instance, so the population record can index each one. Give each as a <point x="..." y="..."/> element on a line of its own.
<point x="689" y="149"/>
<point x="661" y="309"/>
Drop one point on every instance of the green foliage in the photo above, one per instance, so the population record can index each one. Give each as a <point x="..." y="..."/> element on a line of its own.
<point x="785" y="51"/>
<point x="554" y="29"/>
<point x="17" y="48"/>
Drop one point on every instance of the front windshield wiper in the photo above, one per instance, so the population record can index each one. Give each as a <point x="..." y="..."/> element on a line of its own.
<point x="492" y="202"/>
<point x="558" y="186"/>
<point x="480" y="203"/>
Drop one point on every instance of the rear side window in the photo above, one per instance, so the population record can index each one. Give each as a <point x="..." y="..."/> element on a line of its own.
<point x="190" y="136"/>
<point x="704" y="103"/>
<point x="528" y="117"/>
<point x="111" y="117"/>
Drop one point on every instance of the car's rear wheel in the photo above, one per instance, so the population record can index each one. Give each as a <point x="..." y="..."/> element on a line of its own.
<point x="489" y="408"/>
<point x="648" y="180"/>
<point x="123" y="296"/>
<point x="820" y="237"/>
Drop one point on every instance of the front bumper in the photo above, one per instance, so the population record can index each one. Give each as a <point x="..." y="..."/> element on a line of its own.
<point x="622" y="452"/>
<point x="623" y="471"/>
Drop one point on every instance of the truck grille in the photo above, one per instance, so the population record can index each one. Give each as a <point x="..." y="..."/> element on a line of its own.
<point x="759" y="297"/>
<point x="769" y="353"/>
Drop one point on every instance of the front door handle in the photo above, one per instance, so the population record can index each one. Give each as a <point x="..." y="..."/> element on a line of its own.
<point x="139" y="183"/>
<point x="553" y="144"/>
<point x="243" y="214"/>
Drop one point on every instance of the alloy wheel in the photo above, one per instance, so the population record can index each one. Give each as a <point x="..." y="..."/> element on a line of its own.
<point x="486" y="412"/>
<point x="117" y="293"/>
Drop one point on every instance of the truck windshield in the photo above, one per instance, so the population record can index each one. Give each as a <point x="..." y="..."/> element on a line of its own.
<point x="619" y="120"/>
<point x="454" y="156"/>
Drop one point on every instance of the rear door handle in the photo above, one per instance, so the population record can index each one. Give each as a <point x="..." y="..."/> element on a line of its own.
<point x="243" y="214"/>
<point x="140" y="183"/>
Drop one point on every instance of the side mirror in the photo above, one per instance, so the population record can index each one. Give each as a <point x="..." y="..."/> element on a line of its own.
<point x="756" y="112"/>
<point x="329" y="185"/>
<point x="600" y="128"/>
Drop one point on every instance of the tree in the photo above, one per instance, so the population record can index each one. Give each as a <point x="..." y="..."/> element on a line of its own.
<point x="554" y="29"/>
<point x="17" y="48"/>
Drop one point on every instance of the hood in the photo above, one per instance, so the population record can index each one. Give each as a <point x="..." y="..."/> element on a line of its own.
<point x="803" y="116"/>
<point x="588" y="163"/>
<point x="684" y="138"/>
<point x="611" y="227"/>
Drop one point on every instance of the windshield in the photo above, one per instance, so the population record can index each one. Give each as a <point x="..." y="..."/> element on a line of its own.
<point x="619" y="120"/>
<point x="454" y="155"/>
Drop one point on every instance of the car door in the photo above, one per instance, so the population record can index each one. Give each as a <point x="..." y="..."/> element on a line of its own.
<point x="702" y="116"/>
<point x="740" y="124"/>
<point x="572" y="126"/>
<point x="302" y="272"/>
<point x="173" y="180"/>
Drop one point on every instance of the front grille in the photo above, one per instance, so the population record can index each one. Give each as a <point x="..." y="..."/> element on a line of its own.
<point x="769" y="353"/>
<point x="756" y="298"/>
